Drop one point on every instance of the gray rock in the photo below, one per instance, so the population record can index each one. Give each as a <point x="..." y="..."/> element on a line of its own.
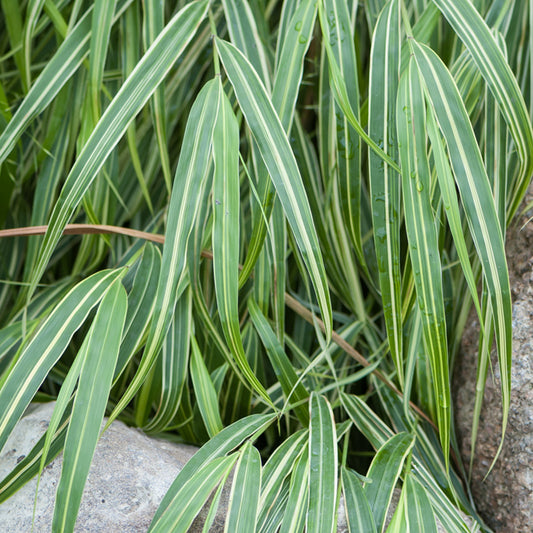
<point x="505" y="498"/>
<point x="129" y="476"/>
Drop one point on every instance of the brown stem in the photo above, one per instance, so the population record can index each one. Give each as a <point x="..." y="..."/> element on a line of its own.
<point x="84" y="229"/>
<point x="298" y="308"/>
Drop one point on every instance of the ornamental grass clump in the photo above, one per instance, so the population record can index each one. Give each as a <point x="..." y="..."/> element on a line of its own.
<point x="259" y="227"/>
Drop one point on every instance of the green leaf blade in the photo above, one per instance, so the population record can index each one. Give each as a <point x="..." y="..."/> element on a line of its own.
<point x="187" y="193"/>
<point x="153" y="24"/>
<point x="89" y="405"/>
<point x="358" y="512"/>
<point x="34" y="363"/>
<point x="225" y="241"/>
<point x="348" y="145"/>
<point x="322" y="512"/>
<point x="195" y="493"/>
<point x="423" y="240"/>
<point x="384" y="182"/>
<point x="204" y="389"/>
<point x="384" y="472"/>
<point x="476" y="196"/>
<point x="279" y="159"/>
<point x="223" y="443"/>
<point x="287" y="83"/>
<point x="102" y="20"/>
<point x="275" y="474"/>
<point x="297" y="504"/>
<point x="174" y="364"/>
<point x="242" y="512"/>
<point x="477" y="37"/>
<point x="418" y="508"/>
<point x="294" y="390"/>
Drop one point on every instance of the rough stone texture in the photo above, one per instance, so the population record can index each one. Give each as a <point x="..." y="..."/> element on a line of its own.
<point x="505" y="498"/>
<point x="129" y="476"/>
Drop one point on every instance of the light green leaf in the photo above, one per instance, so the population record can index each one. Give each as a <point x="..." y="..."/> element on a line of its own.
<point x="279" y="159"/>
<point x="102" y="20"/>
<point x="33" y="10"/>
<point x="187" y="192"/>
<point x="153" y="24"/>
<point x="289" y="72"/>
<point x="48" y="344"/>
<point x="297" y="504"/>
<point x="322" y="512"/>
<point x="140" y="305"/>
<point x="63" y="403"/>
<point x="193" y="495"/>
<point x="420" y="518"/>
<point x="278" y="229"/>
<point x="210" y="518"/>
<point x="348" y="146"/>
<point x="289" y="68"/>
<point x="275" y="474"/>
<point x="444" y="509"/>
<point x="384" y="181"/>
<point x="225" y="240"/>
<point x="451" y="204"/>
<point x="383" y="475"/>
<point x="225" y="441"/>
<point x="204" y="390"/>
<point x="373" y="8"/>
<point x="480" y="42"/>
<point x="370" y="425"/>
<point x="244" y="496"/>
<point x="89" y="406"/>
<point x="293" y="389"/>
<point x="338" y="85"/>
<point x="358" y="512"/>
<point x="244" y="35"/>
<point x="423" y="240"/>
<point x="173" y="364"/>
<point x="477" y="199"/>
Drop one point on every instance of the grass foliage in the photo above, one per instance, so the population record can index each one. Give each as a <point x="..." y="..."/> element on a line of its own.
<point x="332" y="181"/>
